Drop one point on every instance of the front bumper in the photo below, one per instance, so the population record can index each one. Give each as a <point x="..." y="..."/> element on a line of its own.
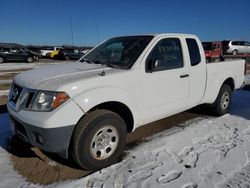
<point x="49" y="131"/>
<point x="55" y="140"/>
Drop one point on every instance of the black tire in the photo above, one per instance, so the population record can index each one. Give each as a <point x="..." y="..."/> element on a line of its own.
<point x="223" y="101"/>
<point x="89" y="130"/>
<point x="235" y="52"/>
<point x="67" y="58"/>
<point x="1" y="60"/>
<point x="36" y="58"/>
<point x="30" y="59"/>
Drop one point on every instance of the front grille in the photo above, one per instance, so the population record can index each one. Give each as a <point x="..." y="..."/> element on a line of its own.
<point x="21" y="98"/>
<point x="29" y="99"/>
<point x="16" y="91"/>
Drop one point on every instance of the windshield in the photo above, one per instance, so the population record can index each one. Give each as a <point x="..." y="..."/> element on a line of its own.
<point x="120" y="52"/>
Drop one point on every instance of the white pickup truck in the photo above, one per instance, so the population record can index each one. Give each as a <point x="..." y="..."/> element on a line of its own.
<point x="85" y="109"/>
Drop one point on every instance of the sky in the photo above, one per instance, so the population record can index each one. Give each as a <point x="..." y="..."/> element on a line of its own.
<point x="80" y="22"/>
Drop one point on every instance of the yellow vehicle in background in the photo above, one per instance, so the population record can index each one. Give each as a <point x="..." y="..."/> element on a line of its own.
<point x="54" y="54"/>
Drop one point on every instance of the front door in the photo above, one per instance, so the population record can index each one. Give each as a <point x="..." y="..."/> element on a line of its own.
<point x="165" y="84"/>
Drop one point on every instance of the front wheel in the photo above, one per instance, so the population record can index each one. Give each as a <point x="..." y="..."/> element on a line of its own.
<point x="98" y="139"/>
<point x="29" y="59"/>
<point x="223" y="101"/>
<point x="1" y="60"/>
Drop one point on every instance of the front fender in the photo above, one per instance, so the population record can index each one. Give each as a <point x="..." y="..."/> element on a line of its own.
<point x="93" y="97"/>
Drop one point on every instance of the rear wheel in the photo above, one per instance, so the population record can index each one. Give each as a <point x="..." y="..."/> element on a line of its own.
<point x="67" y="58"/>
<point x="223" y="102"/>
<point x="36" y="58"/>
<point x="235" y="52"/>
<point x="98" y="139"/>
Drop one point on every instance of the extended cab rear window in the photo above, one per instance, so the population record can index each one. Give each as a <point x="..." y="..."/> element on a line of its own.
<point x="194" y="52"/>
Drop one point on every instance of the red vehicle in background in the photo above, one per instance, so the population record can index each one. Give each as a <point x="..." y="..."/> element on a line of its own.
<point x="213" y="51"/>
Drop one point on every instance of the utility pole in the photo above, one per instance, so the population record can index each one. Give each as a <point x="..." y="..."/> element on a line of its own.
<point x="72" y="34"/>
<point x="97" y="31"/>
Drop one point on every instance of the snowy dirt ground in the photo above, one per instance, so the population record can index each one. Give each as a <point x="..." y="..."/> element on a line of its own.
<point x="203" y="152"/>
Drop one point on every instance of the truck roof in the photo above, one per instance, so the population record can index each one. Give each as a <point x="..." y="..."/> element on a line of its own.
<point x="161" y="34"/>
<point x="174" y="34"/>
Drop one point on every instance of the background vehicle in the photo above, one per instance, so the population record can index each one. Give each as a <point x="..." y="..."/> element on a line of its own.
<point x="218" y="51"/>
<point x="69" y="54"/>
<point x="35" y="49"/>
<point x="15" y="54"/>
<point x="33" y="54"/>
<point x="213" y="50"/>
<point x="236" y="47"/>
<point x="46" y="50"/>
<point x="120" y="85"/>
<point x="53" y="54"/>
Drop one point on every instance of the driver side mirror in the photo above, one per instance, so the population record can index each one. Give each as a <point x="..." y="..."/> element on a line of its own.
<point x="155" y="65"/>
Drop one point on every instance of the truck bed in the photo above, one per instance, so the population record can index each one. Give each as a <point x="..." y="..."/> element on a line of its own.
<point x="218" y="72"/>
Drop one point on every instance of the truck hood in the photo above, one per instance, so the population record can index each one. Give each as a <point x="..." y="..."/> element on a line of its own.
<point x="40" y="77"/>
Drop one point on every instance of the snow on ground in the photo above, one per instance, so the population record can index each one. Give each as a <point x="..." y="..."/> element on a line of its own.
<point x="203" y="152"/>
<point x="8" y="177"/>
<point x="9" y="66"/>
<point x="5" y="81"/>
<point x="4" y="92"/>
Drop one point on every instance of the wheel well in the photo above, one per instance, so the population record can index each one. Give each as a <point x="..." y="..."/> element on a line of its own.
<point x="121" y="109"/>
<point x="230" y="82"/>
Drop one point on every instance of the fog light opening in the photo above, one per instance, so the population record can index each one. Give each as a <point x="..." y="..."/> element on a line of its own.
<point x="39" y="139"/>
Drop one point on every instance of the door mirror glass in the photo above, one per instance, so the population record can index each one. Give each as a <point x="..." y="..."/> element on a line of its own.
<point x="156" y="65"/>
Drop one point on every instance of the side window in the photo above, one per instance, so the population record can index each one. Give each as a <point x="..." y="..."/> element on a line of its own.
<point x="5" y="50"/>
<point x="234" y="43"/>
<point x="194" y="51"/>
<point x="242" y="43"/>
<point x="167" y="54"/>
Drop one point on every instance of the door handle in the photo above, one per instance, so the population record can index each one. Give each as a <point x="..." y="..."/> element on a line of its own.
<point x="184" y="75"/>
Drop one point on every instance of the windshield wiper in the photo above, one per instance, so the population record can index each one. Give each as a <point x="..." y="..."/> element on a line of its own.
<point x="91" y="62"/>
<point x="112" y="65"/>
<point x="87" y="61"/>
<point x="100" y="62"/>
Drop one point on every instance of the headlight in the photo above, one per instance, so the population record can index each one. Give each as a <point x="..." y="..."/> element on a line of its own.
<point x="48" y="100"/>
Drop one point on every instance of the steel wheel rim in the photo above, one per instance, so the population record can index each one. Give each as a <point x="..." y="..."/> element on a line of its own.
<point x="225" y="99"/>
<point x="104" y="142"/>
<point x="1" y="60"/>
